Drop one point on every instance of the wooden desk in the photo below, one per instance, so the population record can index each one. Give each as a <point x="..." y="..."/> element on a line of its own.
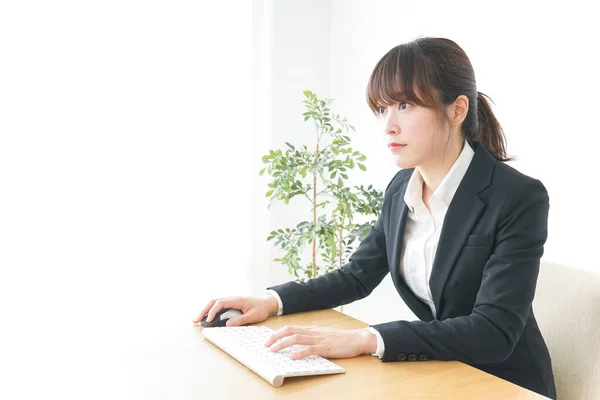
<point x="183" y="365"/>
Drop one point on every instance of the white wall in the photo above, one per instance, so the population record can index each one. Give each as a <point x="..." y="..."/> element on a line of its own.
<point x="297" y="57"/>
<point x="125" y="191"/>
<point x="534" y="59"/>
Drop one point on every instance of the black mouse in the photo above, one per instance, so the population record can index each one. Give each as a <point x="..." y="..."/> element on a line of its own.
<point x="221" y="317"/>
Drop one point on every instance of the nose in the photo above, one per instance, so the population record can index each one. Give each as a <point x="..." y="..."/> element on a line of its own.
<point x="390" y="123"/>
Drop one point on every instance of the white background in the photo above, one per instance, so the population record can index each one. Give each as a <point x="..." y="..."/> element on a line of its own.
<point x="126" y="135"/>
<point x="130" y="143"/>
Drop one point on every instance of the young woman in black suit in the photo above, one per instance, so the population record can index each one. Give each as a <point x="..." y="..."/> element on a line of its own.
<point x="460" y="231"/>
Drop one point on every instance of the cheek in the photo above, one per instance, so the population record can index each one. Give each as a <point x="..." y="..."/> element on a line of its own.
<point x="420" y="130"/>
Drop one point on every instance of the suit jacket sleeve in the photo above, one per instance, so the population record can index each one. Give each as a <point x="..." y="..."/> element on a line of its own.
<point x="503" y="302"/>
<point x="365" y="269"/>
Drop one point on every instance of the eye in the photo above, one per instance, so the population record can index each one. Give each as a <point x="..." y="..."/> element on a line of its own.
<point x="380" y="110"/>
<point x="403" y="105"/>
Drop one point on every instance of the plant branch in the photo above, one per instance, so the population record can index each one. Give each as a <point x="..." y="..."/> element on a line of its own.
<point x="341" y="240"/>
<point x="314" y="247"/>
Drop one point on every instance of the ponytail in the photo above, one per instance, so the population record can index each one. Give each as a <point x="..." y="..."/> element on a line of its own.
<point x="487" y="130"/>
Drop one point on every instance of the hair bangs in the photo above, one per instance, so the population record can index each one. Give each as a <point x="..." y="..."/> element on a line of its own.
<point x="395" y="78"/>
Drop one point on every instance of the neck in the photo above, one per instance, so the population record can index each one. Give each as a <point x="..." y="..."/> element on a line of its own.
<point x="433" y="173"/>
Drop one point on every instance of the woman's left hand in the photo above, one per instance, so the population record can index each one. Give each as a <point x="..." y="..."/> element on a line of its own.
<point x="326" y="342"/>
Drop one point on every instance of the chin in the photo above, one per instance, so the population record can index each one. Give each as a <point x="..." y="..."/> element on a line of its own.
<point x="403" y="162"/>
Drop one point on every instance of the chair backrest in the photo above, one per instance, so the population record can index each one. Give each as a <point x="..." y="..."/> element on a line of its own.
<point x="567" y="308"/>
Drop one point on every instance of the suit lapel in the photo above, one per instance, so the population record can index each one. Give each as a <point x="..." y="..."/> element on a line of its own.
<point x="462" y="215"/>
<point x="398" y="217"/>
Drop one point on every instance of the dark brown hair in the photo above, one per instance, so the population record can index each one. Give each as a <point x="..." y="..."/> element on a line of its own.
<point x="432" y="73"/>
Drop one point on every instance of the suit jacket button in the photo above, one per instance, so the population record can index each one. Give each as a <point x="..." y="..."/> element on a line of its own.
<point x="412" y="357"/>
<point x="422" y="357"/>
<point x="401" y="357"/>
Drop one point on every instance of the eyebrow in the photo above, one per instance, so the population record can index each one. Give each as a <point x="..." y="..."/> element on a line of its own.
<point x="398" y="96"/>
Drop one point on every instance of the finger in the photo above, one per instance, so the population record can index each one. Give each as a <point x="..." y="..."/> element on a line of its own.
<point x="204" y="311"/>
<point x="232" y="302"/>
<point x="306" y="352"/>
<point x="293" y="340"/>
<point x="281" y="333"/>
<point x="242" y="319"/>
<point x="290" y="330"/>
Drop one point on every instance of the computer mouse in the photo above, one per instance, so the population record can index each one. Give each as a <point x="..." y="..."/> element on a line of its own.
<point x="221" y="317"/>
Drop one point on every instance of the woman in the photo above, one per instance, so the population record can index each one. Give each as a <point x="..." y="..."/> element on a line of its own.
<point x="461" y="232"/>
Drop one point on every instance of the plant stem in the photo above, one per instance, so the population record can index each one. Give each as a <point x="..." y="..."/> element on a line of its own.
<point x="341" y="249"/>
<point x="341" y="238"/>
<point x="314" y="247"/>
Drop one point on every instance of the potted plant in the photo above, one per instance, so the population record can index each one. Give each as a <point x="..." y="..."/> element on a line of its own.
<point x="318" y="174"/>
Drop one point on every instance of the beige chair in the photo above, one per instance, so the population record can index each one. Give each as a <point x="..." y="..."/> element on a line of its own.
<point x="567" y="308"/>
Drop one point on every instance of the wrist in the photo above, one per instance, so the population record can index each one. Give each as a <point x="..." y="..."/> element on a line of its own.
<point x="272" y="304"/>
<point x="368" y="341"/>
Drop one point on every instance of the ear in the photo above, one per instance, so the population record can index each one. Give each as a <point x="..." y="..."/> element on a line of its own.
<point x="458" y="110"/>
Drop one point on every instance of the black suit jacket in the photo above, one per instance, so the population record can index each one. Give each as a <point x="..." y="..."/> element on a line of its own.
<point x="482" y="282"/>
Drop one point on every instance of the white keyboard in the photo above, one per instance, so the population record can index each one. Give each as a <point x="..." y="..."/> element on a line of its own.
<point x="247" y="345"/>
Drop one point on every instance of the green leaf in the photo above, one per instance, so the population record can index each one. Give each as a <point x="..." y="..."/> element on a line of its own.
<point x="269" y="193"/>
<point x="344" y="175"/>
<point x="362" y="167"/>
<point x="262" y="171"/>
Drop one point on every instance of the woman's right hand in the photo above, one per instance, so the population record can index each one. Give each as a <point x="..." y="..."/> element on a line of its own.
<point x="254" y="309"/>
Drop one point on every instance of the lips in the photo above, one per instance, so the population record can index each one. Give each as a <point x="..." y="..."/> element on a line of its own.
<point x="395" y="145"/>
